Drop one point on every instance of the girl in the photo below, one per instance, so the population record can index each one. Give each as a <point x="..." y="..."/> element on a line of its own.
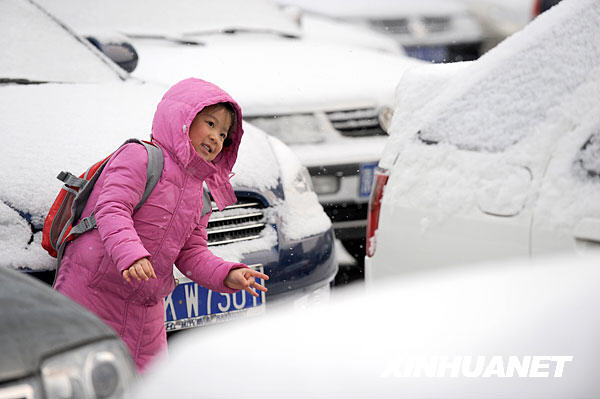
<point x="122" y="270"/>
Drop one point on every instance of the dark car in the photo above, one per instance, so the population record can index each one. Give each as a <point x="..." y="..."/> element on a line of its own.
<point x="53" y="348"/>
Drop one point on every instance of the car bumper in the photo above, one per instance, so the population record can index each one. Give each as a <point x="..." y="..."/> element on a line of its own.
<point x="297" y="266"/>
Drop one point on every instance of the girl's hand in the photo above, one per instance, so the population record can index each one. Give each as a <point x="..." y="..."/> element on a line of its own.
<point x="244" y="279"/>
<point x="140" y="270"/>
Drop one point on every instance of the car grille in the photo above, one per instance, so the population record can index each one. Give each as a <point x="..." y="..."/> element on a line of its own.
<point x="357" y="122"/>
<point x="239" y="222"/>
<point x="405" y="26"/>
<point x="436" y="24"/>
<point x="392" y="26"/>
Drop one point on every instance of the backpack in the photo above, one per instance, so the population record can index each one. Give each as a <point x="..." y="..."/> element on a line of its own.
<point x="66" y="210"/>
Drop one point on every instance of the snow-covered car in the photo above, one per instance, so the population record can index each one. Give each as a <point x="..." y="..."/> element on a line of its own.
<point x="324" y="99"/>
<point x="499" y="158"/>
<point x="502" y="330"/>
<point x="53" y="348"/>
<point x="431" y="30"/>
<point x="64" y="106"/>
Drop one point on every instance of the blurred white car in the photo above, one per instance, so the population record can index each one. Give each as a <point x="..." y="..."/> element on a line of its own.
<point x="329" y="102"/>
<point x="64" y="106"/>
<point x="509" y="330"/>
<point x="500" y="18"/>
<point x="431" y="30"/>
<point x="500" y="159"/>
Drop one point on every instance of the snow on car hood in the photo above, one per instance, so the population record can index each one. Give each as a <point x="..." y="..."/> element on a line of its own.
<point x="159" y="17"/>
<point x="50" y="128"/>
<point x="264" y="68"/>
<point x="361" y="9"/>
<point x="273" y="75"/>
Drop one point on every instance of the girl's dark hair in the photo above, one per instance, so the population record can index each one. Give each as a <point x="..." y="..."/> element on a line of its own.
<point x="228" y="141"/>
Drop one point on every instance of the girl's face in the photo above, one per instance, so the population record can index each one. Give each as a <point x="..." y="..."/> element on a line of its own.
<point x="209" y="130"/>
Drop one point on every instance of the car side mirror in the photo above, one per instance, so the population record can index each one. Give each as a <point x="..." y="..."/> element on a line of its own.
<point x="118" y="50"/>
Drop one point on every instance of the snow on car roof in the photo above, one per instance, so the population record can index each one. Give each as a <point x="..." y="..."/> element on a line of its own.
<point x="154" y="17"/>
<point x="50" y="128"/>
<point x="501" y="98"/>
<point x="352" y="346"/>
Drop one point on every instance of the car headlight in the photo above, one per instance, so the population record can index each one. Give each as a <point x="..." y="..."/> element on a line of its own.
<point x="302" y="182"/>
<point x="291" y="129"/>
<point x="102" y="370"/>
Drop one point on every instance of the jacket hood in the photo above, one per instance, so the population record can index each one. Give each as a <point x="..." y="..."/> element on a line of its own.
<point x="170" y="129"/>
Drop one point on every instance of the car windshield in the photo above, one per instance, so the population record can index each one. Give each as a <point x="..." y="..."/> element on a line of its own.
<point x="36" y="49"/>
<point x="180" y="18"/>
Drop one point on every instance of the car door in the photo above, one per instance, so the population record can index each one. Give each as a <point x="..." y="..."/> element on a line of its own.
<point x="567" y="213"/>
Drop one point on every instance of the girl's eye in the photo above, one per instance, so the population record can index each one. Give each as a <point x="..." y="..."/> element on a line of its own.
<point x="223" y="136"/>
<point x="210" y="123"/>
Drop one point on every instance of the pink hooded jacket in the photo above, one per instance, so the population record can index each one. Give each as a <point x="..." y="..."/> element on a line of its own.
<point x="168" y="229"/>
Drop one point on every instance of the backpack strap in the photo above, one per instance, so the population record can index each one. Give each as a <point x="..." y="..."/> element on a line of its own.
<point x="206" y="203"/>
<point x="156" y="162"/>
<point x="153" y="172"/>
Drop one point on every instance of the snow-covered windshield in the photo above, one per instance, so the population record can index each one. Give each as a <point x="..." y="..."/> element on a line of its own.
<point x="34" y="48"/>
<point x="173" y="18"/>
<point x="503" y="97"/>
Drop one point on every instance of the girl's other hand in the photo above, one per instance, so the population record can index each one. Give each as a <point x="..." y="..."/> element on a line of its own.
<point x="141" y="270"/>
<point x="244" y="279"/>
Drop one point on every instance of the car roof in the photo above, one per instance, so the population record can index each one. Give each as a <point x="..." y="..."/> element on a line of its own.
<point x="505" y="95"/>
<point x="355" y="346"/>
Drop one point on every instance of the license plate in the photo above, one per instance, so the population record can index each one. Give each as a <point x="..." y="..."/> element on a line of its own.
<point x="431" y="54"/>
<point x="367" y="171"/>
<point x="191" y="305"/>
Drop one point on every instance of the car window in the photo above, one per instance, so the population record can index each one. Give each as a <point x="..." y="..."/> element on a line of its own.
<point x="35" y="48"/>
<point x="588" y="158"/>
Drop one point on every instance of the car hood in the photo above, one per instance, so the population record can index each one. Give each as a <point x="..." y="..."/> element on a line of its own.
<point x="38" y="322"/>
<point x="55" y="127"/>
<point x="385" y="9"/>
<point x="271" y="75"/>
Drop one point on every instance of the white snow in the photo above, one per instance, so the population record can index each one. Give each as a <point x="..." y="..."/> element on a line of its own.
<point x="548" y="59"/>
<point x="157" y="17"/>
<point x="377" y="8"/>
<point x="267" y="74"/>
<point x="68" y="127"/>
<point x="344" y="349"/>
<point x="526" y="107"/>
<point x="49" y="52"/>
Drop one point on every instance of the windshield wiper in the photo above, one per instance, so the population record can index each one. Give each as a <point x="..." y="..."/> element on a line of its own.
<point x="232" y="31"/>
<point x="174" y="39"/>
<point x="21" y="81"/>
